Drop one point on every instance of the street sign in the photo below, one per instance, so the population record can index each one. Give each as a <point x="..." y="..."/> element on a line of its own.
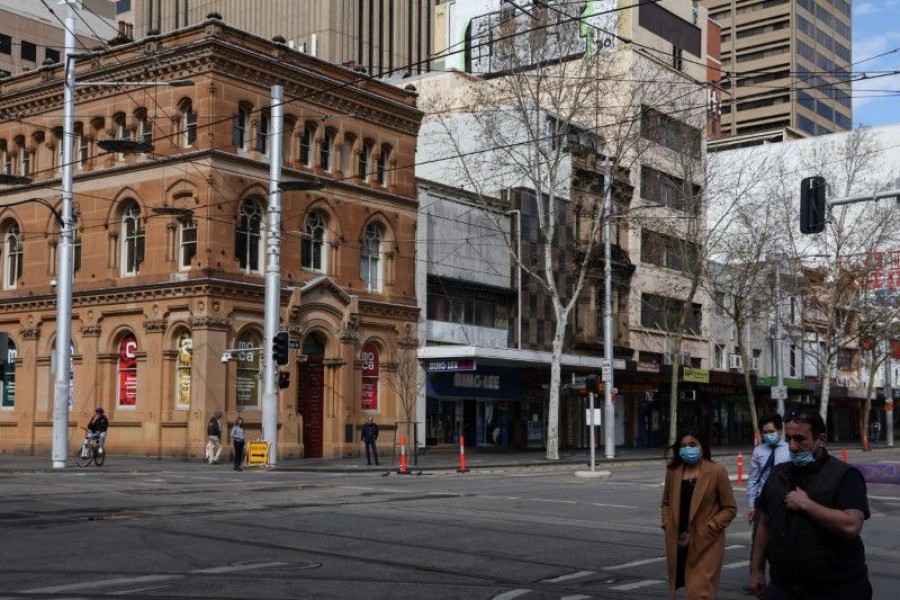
<point x="257" y="453"/>
<point x="595" y="418"/>
<point x="779" y="392"/>
<point x="605" y="364"/>
<point x="607" y="373"/>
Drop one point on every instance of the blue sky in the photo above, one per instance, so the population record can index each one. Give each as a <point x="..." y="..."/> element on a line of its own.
<point x="876" y="30"/>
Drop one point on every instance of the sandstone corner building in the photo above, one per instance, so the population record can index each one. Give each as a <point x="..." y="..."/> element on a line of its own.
<point x="170" y="245"/>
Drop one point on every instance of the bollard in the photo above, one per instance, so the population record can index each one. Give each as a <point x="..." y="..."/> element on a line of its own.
<point x="740" y="469"/>
<point x="844" y="454"/>
<point x="403" y="466"/>
<point x="462" y="455"/>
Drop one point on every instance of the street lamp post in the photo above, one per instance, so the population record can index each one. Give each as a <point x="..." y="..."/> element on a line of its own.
<point x="779" y="337"/>
<point x="609" y="415"/>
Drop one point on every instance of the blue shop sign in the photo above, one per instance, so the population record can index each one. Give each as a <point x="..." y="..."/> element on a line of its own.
<point x="485" y="382"/>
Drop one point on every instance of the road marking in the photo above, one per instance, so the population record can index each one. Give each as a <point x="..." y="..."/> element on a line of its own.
<point x="734" y="547"/>
<point x="247" y="567"/>
<point x="569" y="576"/>
<point x="636" y="563"/>
<point x="637" y="584"/>
<point x="600" y="504"/>
<point x="554" y="501"/>
<point x="578" y="597"/>
<point x="737" y="565"/>
<point x="512" y="594"/>
<point x="71" y="587"/>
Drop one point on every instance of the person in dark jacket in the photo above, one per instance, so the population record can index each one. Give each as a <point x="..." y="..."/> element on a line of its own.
<point x="214" y="439"/>
<point x="369" y="435"/>
<point x="99" y="424"/>
<point x="813" y="510"/>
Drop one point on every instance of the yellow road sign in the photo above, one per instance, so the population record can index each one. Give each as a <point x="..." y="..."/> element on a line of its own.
<point x="257" y="453"/>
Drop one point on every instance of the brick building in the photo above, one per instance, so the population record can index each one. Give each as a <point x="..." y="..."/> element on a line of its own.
<point x="170" y="244"/>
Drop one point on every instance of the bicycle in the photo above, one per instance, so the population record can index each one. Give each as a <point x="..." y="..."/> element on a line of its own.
<point x="90" y="451"/>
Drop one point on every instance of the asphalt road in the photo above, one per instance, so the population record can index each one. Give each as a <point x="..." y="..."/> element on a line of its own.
<point x="195" y="531"/>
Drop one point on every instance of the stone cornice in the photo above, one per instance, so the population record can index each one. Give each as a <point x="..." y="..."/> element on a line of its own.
<point x="209" y="323"/>
<point x="402" y="312"/>
<point x="90" y="331"/>
<point x="155" y="325"/>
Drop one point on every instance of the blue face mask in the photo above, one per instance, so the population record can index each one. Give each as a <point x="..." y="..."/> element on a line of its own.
<point x="689" y="455"/>
<point x="802" y="459"/>
<point x="772" y="438"/>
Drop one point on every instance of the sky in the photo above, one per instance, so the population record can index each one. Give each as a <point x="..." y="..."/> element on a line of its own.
<point x="876" y="31"/>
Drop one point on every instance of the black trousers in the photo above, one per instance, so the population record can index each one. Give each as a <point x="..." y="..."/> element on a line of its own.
<point x="238" y="454"/>
<point x="374" y="452"/>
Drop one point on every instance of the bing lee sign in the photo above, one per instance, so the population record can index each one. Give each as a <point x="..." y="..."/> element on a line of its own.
<point x="478" y="382"/>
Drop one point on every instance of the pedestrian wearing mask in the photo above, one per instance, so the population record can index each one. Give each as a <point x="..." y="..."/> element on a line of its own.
<point x="237" y="437"/>
<point x="771" y="451"/>
<point x="697" y="505"/>
<point x="812" y="513"/>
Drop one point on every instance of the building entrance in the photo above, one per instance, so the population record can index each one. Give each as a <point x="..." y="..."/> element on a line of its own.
<point x="310" y="396"/>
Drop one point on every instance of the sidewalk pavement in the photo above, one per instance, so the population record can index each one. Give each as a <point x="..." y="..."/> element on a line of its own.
<point x="476" y="459"/>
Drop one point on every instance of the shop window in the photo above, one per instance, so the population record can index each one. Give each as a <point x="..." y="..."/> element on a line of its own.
<point x="132" y="240"/>
<point x="126" y="370"/>
<point x="8" y="378"/>
<point x="247" y="383"/>
<point x="12" y="254"/>
<point x="185" y="349"/>
<point x="187" y="242"/>
<point x="370" y="259"/>
<point x="312" y="245"/>
<point x="248" y="237"/>
<point x="370" y="378"/>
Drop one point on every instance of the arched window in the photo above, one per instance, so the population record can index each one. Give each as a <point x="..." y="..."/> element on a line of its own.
<point x="126" y="373"/>
<point x="131" y="240"/>
<point x="370" y="378"/>
<point x="8" y="378"/>
<point x="365" y="155"/>
<point x="383" y="162"/>
<point x="144" y="126"/>
<point x="370" y="258"/>
<point x="312" y="246"/>
<point x="241" y="124"/>
<point x="183" y="360"/>
<point x="5" y="159"/>
<point x="188" y="123"/>
<point x="262" y="134"/>
<point x="80" y="145"/>
<point x="12" y="253"/>
<point x="187" y="242"/>
<point x="121" y="131"/>
<point x="60" y="142"/>
<point x="248" y="237"/>
<point x="325" y="156"/>
<point x="306" y="144"/>
<point x="23" y="157"/>
<point x="247" y="386"/>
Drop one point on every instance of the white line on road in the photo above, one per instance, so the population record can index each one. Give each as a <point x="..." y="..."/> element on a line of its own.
<point x="71" y="587"/>
<point x="511" y="594"/>
<point x="247" y="567"/>
<point x="578" y="597"/>
<point x="570" y="576"/>
<point x="637" y="584"/>
<point x="554" y="501"/>
<point x="600" y="504"/>
<point x="885" y="498"/>
<point x="636" y="563"/>
<point x="737" y="565"/>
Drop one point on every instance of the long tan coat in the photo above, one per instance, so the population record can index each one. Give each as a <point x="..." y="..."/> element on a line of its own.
<point x="712" y="510"/>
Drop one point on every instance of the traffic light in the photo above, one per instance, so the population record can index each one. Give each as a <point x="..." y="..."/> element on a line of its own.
<point x="812" y="205"/>
<point x="284" y="380"/>
<point x="280" y="344"/>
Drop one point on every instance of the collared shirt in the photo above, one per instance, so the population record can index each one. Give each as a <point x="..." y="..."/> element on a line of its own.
<point x="757" y="479"/>
<point x="237" y="433"/>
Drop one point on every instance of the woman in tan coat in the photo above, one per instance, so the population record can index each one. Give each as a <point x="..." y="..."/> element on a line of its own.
<point x="697" y="505"/>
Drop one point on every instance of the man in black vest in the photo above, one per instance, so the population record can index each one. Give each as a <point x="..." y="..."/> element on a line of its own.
<point x="369" y="435"/>
<point x="812" y="510"/>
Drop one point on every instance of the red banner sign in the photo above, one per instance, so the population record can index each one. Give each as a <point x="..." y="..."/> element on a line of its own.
<point x="370" y="373"/>
<point x="128" y="371"/>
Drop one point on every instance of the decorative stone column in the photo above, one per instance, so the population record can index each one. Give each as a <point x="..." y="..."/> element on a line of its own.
<point x="209" y="377"/>
<point x="153" y="396"/>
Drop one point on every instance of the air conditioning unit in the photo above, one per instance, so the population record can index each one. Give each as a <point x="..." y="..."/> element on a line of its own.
<point x="735" y="361"/>
<point x="754" y="363"/>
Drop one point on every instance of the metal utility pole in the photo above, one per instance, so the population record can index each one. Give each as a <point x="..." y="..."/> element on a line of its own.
<point x="65" y="265"/>
<point x="888" y="397"/>
<point x="779" y="336"/>
<point x="273" y="276"/>
<point x="609" y="414"/>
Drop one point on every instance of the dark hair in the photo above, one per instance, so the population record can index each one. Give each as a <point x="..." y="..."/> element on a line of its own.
<point x="676" y="456"/>
<point x="810" y="417"/>
<point x="773" y="418"/>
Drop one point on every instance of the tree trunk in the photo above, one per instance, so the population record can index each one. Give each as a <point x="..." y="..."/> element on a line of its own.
<point x="555" y="372"/>
<point x="751" y="400"/>
<point x="673" y="394"/>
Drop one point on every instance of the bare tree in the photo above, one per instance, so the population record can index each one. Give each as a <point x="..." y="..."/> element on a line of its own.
<point x="405" y="379"/>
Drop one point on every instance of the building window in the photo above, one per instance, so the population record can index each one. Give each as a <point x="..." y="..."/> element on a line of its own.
<point x="8" y="378"/>
<point x="365" y="154"/>
<point x="719" y="356"/>
<point x="370" y="260"/>
<point x="127" y="383"/>
<point x="383" y="162"/>
<point x="247" y="388"/>
<point x="132" y="240"/>
<point x="185" y="349"/>
<point x="370" y="378"/>
<point x="325" y="156"/>
<point x="792" y="368"/>
<point x="306" y="144"/>
<point x="81" y="145"/>
<point x="248" y="238"/>
<point x="51" y="54"/>
<point x="145" y="126"/>
<point x="76" y="250"/>
<point x="188" y="124"/>
<point x="12" y="252"/>
<point x="312" y="246"/>
<point x="29" y="51"/>
<point x="187" y="243"/>
<point x="241" y="122"/>
<point x="5" y="159"/>
<point x="5" y="44"/>
<point x="262" y="134"/>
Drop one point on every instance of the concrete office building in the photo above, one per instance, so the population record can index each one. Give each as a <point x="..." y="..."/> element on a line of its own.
<point x="786" y="68"/>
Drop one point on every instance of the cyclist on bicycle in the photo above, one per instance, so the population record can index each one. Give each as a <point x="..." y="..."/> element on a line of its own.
<point x="97" y="427"/>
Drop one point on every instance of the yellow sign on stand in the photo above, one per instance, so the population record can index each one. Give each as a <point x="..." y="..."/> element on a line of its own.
<point x="257" y="454"/>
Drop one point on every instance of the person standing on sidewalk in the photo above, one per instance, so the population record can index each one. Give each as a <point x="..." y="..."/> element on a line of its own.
<point x="369" y="435"/>
<point x="771" y="451"/>
<point x="214" y="439"/>
<point x="237" y="438"/>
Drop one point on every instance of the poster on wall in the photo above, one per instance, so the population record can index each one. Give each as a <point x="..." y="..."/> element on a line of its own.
<point x="183" y="373"/>
<point x="8" y="379"/>
<point x="247" y="381"/>
<point x="128" y="371"/>
<point x="369" y="378"/>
